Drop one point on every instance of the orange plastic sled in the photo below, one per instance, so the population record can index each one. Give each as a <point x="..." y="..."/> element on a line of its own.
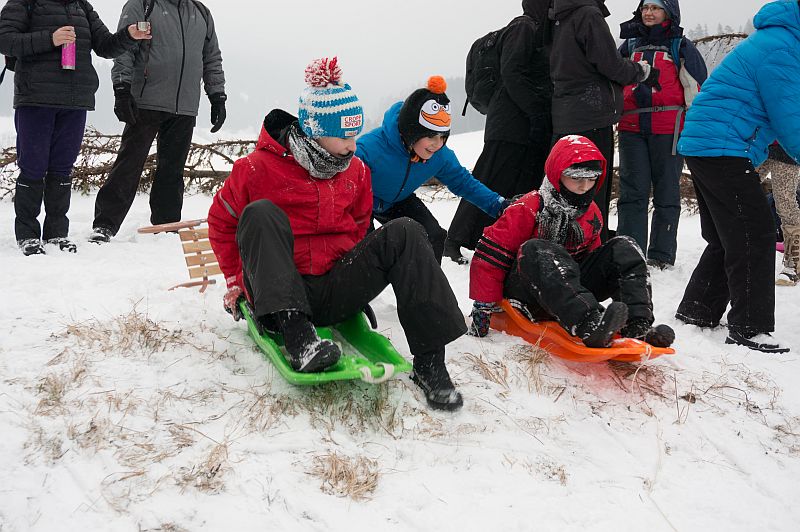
<point x="556" y="341"/>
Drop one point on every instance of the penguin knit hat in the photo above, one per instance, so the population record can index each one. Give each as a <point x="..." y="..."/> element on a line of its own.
<point x="328" y="106"/>
<point x="425" y="112"/>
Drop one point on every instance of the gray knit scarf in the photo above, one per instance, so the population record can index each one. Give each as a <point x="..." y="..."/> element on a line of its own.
<point x="320" y="163"/>
<point x="558" y="220"/>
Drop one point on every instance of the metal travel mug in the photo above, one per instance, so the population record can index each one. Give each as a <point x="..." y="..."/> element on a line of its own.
<point x="68" y="56"/>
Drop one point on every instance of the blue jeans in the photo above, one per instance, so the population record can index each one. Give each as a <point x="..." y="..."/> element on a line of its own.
<point x="645" y="161"/>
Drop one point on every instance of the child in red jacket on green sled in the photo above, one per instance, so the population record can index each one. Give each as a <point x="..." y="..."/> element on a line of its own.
<point x="289" y="228"/>
<point x="545" y="253"/>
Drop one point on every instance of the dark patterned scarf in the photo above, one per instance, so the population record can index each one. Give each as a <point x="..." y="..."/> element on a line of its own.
<point x="320" y="163"/>
<point x="558" y="220"/>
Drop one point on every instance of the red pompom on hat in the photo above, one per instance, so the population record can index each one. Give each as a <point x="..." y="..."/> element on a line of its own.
<point x="323" y="72"/>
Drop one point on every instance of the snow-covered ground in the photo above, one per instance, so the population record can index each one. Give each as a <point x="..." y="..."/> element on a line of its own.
<point x="126" y="407"/>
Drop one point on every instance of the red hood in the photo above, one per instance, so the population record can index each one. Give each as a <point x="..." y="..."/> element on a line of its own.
<point x="570" y="150"/>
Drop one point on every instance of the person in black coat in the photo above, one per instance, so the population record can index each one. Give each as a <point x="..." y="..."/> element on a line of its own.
<point x="518" y="130"/>
<point x="50" y="103"/>
<point x="588" y="75"/>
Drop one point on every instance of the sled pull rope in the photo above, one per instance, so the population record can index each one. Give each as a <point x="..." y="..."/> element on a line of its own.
<point x="366" y="374"/>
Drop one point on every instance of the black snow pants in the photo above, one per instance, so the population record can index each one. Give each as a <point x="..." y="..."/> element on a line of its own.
<point x="115" y="197"/>
<point x="506" y="168"/>
<point x="412" y="207"/>
<point x="396" y="254"/>
<point x="554" y="286"/>
<point x="738" y="264"/>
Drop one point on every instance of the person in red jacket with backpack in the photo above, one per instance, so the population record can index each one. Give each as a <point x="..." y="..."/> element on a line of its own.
<point x="651" y="122"/>
<point x="289" y="228"/>
<point x="545" y="252"/>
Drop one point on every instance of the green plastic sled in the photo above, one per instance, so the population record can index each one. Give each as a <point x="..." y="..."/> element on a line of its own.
<point x="366" y="355"/>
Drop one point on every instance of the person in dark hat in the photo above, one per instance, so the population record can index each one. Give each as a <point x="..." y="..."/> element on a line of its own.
<point x="518" y="131"/>
<point x="408" y="150"/>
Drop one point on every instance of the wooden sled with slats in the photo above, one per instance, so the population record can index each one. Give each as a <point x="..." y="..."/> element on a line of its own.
<point x="200" y="258"/>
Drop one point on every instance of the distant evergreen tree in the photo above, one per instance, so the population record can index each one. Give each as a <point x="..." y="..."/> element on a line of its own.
<point x="749" y="28"/>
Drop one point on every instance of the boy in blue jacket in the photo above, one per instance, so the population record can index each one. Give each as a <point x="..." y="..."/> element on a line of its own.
<point x="750" y="100"/>
<point x="408" y="150"/>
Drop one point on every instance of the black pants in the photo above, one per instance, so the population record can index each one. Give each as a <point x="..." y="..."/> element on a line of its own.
<point x="603" y="138"/>
<point x="506" y="168"/>
<point x="738" y="263"/>
<point x="553" y="286"/>
<point x="412" y="207"/>
<point x="396" y="254"/>
<point x="116" y="196"/>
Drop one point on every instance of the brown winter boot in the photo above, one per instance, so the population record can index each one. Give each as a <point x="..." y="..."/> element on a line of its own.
<point x="791" y="256"/>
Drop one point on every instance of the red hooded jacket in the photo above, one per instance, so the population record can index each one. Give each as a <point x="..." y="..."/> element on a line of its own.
<point x="498" y="248"/>
<point x="328" y="216"/>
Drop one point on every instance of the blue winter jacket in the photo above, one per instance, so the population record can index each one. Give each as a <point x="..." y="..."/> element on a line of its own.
<point x="395" y="176"/>
<point x="753" y="96"/>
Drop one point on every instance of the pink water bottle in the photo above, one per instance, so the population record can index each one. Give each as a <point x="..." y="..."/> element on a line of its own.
<point x="68" y="56"/>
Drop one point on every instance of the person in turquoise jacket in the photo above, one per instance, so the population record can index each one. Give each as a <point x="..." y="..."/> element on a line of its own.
<point x="408" y="150"/>
<point x="749" y="101"/>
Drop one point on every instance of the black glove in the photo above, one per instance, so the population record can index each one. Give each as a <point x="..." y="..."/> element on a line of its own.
<point x="124" y="104"/>
<point x="651" y="75"/>
<point x="217" y="110"/>
<point x="504" y="204"/>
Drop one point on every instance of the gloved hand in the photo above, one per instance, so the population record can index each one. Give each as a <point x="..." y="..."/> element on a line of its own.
<point x="504" y="204"/>
<point x="218" y="113"/>
<point x="650" y="75"/>
<point x="124" y="104"/>
<point x="231" y="299"/>
<point x="481" y="317"/>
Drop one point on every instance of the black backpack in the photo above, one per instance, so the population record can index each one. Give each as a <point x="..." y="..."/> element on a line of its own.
<point x="483" y="70"/>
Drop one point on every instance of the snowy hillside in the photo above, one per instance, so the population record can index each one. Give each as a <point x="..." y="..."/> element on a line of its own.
<point x="126" y="407"/>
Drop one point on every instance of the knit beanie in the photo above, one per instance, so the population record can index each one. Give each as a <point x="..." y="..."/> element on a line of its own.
<point x="657" y="3"/>
<point x="584" y="170"/>
<point x="329" y="107"/>
<point x="425" y="112"/>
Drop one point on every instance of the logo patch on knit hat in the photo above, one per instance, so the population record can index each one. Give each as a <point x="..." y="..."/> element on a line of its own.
<point x="435" y="116"/>
<point x="352" y="121"/>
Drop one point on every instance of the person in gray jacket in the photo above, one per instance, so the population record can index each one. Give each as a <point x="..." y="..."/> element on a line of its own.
<point x="157" y="94"/>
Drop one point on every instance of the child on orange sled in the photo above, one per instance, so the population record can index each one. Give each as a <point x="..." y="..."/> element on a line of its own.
<point x="544" y="252"/>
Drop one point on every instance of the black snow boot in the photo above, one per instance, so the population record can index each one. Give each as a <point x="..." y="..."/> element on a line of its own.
<point x="597" y="330"/>
<point x="640" y="329"/>
<point x="27" y="206"/>
<point x="64" y="244"/>
<point x="756" y="341"/>
<point x="453" y="252"/>
<point x="430" y="374"/>
<point x="101" y="235"/>
<point x="57" y="196"/>
<point x="31" y="246"/>
<point x="308" y="353"/>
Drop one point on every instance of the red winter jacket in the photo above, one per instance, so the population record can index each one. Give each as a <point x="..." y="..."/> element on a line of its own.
<point x="328" y="216"/>
<point x="498" y="247"/>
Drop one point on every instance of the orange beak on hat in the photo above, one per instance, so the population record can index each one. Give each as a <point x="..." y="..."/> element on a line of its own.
<point x="435" y="116"/>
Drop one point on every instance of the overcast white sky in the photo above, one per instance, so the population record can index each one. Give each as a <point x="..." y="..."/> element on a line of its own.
<point x="385" y="47"/>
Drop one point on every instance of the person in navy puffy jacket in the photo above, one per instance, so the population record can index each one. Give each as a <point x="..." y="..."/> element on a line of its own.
<point x="408" y="150"/>
<point x="750" y="100"/>
<point x="651" y="122"/>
